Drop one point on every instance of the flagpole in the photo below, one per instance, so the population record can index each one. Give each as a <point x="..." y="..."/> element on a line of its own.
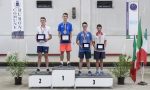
<point x="142" y="71"/>
<point x="142" y="75"/>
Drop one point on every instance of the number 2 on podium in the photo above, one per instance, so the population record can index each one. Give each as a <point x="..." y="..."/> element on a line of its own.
<point x="93" y="82"/>
<point x="63" y="78"/>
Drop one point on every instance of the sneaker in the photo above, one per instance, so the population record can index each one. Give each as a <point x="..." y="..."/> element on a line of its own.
<point x="97" y="73"/>
<point x="101" y="73"/>
<point x="69" y="64"/>
<point x="38" y="70"/>
<point x="89" y="73"/>
<point x="79" y="73"/>
<point x="61" y="65"/>
<point x="47" y="70"/>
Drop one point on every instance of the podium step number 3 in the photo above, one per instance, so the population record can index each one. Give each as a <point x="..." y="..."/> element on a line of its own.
<point x="94" y="81"/>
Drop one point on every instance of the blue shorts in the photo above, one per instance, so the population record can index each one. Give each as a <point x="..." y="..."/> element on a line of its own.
<point x="85" y="54"/>
<point x="99" y="55"/>
<point x="42" y="49"/>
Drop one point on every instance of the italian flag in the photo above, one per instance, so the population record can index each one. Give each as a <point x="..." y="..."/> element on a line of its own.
<point x="139" y="52"/>
<point x="133" y="63"/>
<point x="141" y="47"/>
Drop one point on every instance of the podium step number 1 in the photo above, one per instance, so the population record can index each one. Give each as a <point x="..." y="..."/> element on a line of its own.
<point x="63" y="77"/>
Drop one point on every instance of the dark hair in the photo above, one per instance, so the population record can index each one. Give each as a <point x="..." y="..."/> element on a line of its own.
<point x="84" y="23"/>
<point x="99" y="25"/>
<point x="43" y="18"/>
<point x="65" y="14"/>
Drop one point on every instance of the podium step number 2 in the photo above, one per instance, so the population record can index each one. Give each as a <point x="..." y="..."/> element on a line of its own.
<point x="41" y="79"/>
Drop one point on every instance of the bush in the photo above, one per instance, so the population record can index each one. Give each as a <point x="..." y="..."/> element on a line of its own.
<point x="15" y="66"/>
<point x="122" y="68"/>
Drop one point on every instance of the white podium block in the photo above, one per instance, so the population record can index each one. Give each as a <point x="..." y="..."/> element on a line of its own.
<point x="63" y="76"/>
<point x="40" y="79"/>
<point x="105" y="80"/>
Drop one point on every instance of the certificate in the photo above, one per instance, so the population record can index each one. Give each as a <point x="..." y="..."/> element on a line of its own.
<point x="65" y="38"/>
<point x="40" y="37"/>
<point x="86" y="45"/>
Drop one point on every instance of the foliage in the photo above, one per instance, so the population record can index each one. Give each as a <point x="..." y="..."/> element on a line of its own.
<point x="15" y="66"/>
<point x="122" y="68"/>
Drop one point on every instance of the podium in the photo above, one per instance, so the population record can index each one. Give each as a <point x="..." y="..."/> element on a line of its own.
<point x="63" y="76"/>
<point x="40" y="79"/>
<point x="104" y="80"/>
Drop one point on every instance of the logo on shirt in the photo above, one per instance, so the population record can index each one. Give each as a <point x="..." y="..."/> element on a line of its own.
<point x="62" y="26"/>
<point x="88" y="35"/>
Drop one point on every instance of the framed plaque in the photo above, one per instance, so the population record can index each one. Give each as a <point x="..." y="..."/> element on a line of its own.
<point x="86" y="46"/>
<point x="65" y="38"/>
<point x="100" y="46"/>
<point x="40" y="37"/>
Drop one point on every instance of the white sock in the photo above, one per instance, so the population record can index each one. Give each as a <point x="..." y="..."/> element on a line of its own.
<point x="68" y="62"/>
<point x="38" y="67"/>
<point x="79" y="70"/>
<point x="61" y="62"/>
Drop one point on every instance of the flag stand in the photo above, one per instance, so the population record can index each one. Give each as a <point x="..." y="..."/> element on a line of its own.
<point x="142" y="74"/>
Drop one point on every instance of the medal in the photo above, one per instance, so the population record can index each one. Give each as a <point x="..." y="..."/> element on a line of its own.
<point x="84" y="38"/>
<point x="65" y="31"/>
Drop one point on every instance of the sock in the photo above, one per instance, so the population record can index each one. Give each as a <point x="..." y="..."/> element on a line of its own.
<point x="101" y="70"/>
<point x="61" y="62"/>
<point x="88" y="66"/>
<point x="79" y="70"/>
<point x="38" y="68"/>
<point x="80" y="66"/>
<point x="68" y="62"/>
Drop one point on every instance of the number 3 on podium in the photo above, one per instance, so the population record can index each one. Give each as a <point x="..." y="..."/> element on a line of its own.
<point x="40" y="80"/>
